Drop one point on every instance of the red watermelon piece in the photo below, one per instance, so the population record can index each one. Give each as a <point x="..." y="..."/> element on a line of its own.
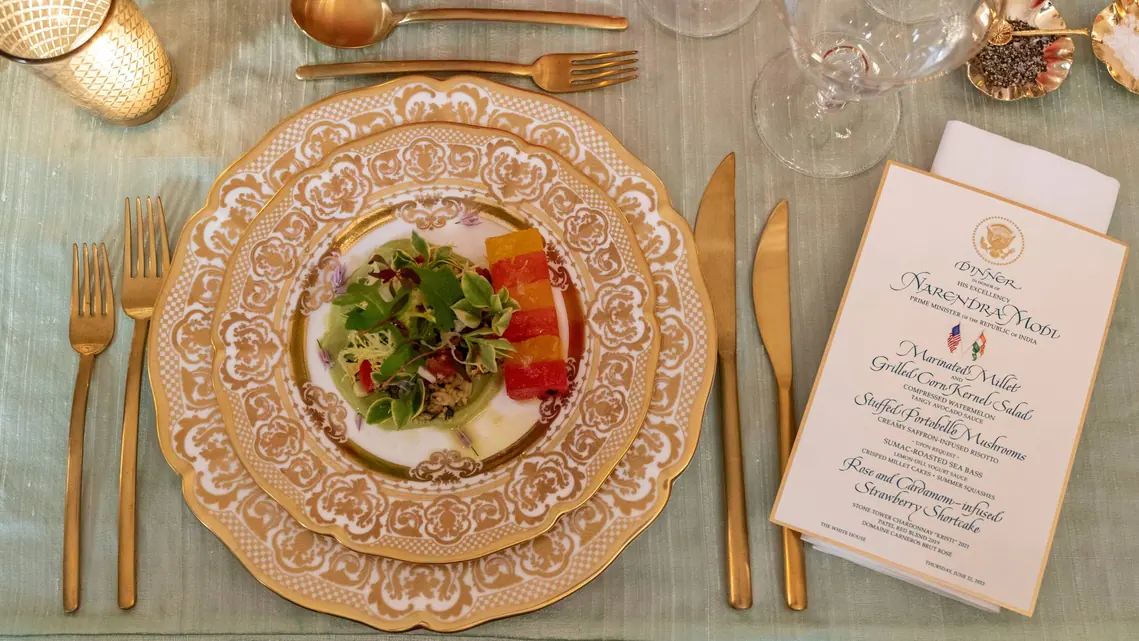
<point x="536" y="380"/>
<point x="527" y="268"/>
<point x="528" y="323"/>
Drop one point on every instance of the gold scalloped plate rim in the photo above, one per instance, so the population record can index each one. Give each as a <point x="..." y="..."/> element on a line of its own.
<point x="639" y="414"/>
<point x="1065" y="56"/>
<point x="1105" y="22"/>
<point x="420" y="619"/>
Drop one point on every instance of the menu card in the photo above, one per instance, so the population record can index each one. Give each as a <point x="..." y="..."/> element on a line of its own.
<point x="944" y="419"/>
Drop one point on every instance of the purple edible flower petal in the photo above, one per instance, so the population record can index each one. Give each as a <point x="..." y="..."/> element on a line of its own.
<point x="325" y="358"/>
<point x="359" y="420"/>
<point x="470" y="219"/>
<point x="340" y="278"/>
<point x="463" y="438"/>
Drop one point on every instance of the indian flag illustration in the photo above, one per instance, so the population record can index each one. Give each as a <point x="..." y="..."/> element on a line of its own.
<point x="979" y="346"/>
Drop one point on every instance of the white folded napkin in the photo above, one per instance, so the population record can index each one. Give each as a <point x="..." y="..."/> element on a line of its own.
<point x="1027" y="175"/>
<point x="1023" y="174"/>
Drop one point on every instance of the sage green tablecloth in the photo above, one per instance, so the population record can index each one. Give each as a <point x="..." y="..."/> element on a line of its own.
<point x="63" y="175"/>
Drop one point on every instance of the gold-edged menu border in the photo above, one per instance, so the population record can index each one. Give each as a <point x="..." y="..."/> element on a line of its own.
<point x="830" y="339"/>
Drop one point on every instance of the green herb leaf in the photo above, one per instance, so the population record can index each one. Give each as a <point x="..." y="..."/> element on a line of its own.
<point x="499" y="345"/>
<point x="379" y="411"/>
<point x="467" y="313"/>
<point x="361" y="318"/>
<point x="370" y="307"/>
<point x="502" y="321"/>
<point x="420" y="245"/>
<point x="441" y="288"/>
<point x="401" y="412"/>
<point x="394" y="363"/>
<point x="418" y="397"/>
<point x="486" y="353"/>
<point x="402" y="260"/>
<point x="505" y="299"/>
<point x="477" y="289"/>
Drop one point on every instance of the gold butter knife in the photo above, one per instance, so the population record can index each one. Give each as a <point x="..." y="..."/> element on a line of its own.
<point x="716" y="246"/>
<point x="771" y="294"/>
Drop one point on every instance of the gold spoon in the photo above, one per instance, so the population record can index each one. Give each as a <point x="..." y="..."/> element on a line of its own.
<point x="1002" y="33"/>
<point x="352" y="24"/>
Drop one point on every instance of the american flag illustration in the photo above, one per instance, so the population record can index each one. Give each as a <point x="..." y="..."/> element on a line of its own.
<point x="954" y="338"/>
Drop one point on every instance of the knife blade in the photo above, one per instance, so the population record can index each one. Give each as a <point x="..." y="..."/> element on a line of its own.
<point x="716" y="248"/>
<point x="771" y="296"/>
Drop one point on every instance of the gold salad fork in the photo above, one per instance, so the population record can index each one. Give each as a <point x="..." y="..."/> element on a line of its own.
<point x="555" y="72"/>
<point x="91" y="328"/>
<point x="140" y="290"/>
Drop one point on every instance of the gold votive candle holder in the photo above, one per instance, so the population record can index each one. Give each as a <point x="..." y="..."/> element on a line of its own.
<point x="102" y="53"/>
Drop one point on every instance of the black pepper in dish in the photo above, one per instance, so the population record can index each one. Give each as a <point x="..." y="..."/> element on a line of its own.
<point x="1016" y="63"/>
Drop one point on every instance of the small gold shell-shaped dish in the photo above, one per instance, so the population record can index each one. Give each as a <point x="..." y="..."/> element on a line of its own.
<point x="1115" y="27"/>
<point x="1058" y="56"/>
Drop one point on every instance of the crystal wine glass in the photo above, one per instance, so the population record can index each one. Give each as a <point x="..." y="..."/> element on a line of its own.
<point x="810" y="103"/>
<point x="700" y="18"/>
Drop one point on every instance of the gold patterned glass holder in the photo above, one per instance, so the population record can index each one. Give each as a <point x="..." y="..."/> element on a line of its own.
<point x="101" y="53"/>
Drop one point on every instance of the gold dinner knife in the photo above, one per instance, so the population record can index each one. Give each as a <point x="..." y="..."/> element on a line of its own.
<point x="716" y="246"/>
<point x="771" y="294"/>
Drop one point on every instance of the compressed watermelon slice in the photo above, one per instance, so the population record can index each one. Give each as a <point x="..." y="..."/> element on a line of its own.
<point x="528" y="323"/>
<point x="537" y="380"/>
<point x="536" y="369"/>
<point x="536" y="295"/>
<point x="537" y="350"/>
<point x="524" y="268"/>
<point x="513" y="244"/>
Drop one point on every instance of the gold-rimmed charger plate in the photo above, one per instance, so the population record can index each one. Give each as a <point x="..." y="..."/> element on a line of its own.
<point x="434" y="499"/>
<point x="318" y="572"/>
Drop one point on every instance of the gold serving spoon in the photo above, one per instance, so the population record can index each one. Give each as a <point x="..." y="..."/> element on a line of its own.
<point x="1002" y="33"/>
<point x="352" y="24"/>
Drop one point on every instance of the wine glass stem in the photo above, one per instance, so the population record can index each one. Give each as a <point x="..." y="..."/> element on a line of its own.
<point x="827" y="100"/>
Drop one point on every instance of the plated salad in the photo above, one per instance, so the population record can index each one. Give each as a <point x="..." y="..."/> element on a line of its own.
<point x="421" y="337"/>
<point x="416" y="337"/>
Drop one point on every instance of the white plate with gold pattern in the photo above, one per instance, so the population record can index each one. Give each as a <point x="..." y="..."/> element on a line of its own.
<point x="431" y="494"/>
<point x="318" y="572"/>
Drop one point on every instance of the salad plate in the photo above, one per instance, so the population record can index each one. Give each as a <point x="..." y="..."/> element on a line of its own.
<point x="317" y="571"/>
<point x="361" y="346"/>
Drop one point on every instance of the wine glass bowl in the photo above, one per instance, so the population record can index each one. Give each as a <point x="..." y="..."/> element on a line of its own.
<point x="816" y="118"/>
<point x="700" y="18"/>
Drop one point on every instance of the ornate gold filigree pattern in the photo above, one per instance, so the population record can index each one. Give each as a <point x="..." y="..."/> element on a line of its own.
<point x="427" y="522"/>
<point x="375" y="590"/>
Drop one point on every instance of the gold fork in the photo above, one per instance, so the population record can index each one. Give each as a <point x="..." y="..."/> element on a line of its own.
<point x="91" y="328"/>
<point x="555" y="72"/>
<point x="140" y="290"/>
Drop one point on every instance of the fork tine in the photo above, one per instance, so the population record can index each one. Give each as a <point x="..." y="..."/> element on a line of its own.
<point x="108" y="291"/>
<point x="127" y="235"/>
<point x="74" y="279"/>
<point x="604" y="83"/>
<point x="139" y="265"/>
<point x="89" y="275"/>
<point x="601" y="74"/>
<point x="602" y="65"/>
<point x="96" y="281"/>
<point x="604" y="56"/>
<point x="152" y="265"/>
<point x="164" y="249"/>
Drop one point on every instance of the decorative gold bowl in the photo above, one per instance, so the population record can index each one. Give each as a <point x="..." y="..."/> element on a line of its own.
<point x="1058" y="56"/>
<point x="1120" y="14"/>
